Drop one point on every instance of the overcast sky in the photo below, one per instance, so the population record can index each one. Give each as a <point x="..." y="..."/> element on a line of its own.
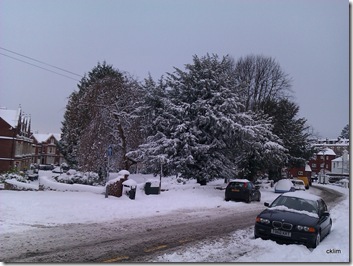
<point x="309" y="39"/>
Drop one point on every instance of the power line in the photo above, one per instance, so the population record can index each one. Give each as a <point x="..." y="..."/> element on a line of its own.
<point x="36" y="60"/>
<point x="38" y="66"/>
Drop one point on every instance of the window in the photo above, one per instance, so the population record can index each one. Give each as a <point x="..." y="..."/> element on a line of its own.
<point x="322" y="207"/>
<point x="300" y="172"/>
<point x="313" y="165"/>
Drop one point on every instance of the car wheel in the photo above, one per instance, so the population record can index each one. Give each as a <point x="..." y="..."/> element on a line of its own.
<point x="248" y="200"/>
<point x="226" y="199"/>
<point x="316" y="241"/>
<point x="329" y="230"/>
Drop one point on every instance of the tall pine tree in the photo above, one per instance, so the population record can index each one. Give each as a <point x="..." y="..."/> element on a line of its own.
<point x="202" y="132"/>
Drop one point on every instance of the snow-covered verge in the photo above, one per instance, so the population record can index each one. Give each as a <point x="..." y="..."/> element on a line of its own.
<point x="20" y="210"/>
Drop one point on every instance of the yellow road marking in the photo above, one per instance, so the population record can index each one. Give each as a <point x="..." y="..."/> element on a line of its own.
<point x="155" y="248"/>
<point x="117" y="259"/>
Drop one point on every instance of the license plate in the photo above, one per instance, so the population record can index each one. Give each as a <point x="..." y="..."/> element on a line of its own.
<point x="280" y="233"/>
<point x="235" y="190"/>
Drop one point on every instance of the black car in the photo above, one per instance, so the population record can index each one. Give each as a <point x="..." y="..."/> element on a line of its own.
<point x="294" y="217"/>
<point x="242" y="189"/>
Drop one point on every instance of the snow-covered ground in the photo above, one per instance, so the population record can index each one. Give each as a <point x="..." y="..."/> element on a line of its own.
<point x="21" y="210"/>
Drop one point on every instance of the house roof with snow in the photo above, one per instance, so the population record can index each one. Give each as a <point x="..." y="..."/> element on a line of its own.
<point x="307" y="168"/>
<point x="340" y="159"/>
<point x="326" y="151"/>
<point x="10" y="116"/>
<point x="44" y="137"/>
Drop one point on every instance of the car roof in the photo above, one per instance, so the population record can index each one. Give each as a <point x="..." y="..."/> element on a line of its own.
<point x="302" y="195"/>
<point x="298" y="181"/>
<point x="239" y="180"/>
<point x="284" y="180"/>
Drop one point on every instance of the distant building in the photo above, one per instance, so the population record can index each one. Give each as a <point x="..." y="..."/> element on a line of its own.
<point x="338" y="145"/>
<point x="340" y="165"/>
<point x="19" y="148"/>
<point x="321" y="161"/>
<point x="300" y="171"/>
<point x="15" y="143"/>
<point x="46" y="150"/>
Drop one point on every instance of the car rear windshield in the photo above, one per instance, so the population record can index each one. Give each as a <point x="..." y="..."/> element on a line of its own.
<point x="238" y="184"/>
<point x="296" y="204"/>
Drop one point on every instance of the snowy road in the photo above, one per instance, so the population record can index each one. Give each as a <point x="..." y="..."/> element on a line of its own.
<point x="124" y="239"/>
<point x="130" y="240"/>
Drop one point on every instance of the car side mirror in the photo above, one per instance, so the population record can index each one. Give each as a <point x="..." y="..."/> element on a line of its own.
<point x="325" y="214"/>
<point x="267" y="204"/>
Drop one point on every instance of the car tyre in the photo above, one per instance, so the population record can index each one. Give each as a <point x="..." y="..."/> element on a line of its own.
<point x="329" y="231"/>
<point x="226" y="199"/>
<point x="316" y="241"/>
<point x="248" y="199"/>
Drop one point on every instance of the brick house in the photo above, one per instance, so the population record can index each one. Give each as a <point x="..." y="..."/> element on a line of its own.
<point x="321" y="162"/>
<point x="46" y="150"/>
<point x="300" y="171"/>
<point x="16" y="149"/>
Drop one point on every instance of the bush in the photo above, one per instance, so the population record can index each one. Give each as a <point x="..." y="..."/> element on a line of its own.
<point x="16" y="176"/>
<point x="86" y="178"/>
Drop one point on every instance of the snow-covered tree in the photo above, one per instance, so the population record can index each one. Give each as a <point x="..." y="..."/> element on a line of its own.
<point x="102" y="116"/>
<point x="78" y="112"/>
<point x="291" y="129"/>
<point x="156" y="115"/>
<point x="70" y="131"/>
<point x="202" y="132"/>
<point x="345" y="132"/>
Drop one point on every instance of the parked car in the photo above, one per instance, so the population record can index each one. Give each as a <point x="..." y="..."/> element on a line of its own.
<point x="46" y="167"/>
<point x="334" y="179"/>
<point x="298" y="184"/>
<point x="32" y="175"/>
<point x="314" y="178"/>
<point x="263" y="183"/>
<point x="305" y="180"/>
<point x="294" y="217"/>
<point x="242" y="189"/>
<point x="284" y="185"/>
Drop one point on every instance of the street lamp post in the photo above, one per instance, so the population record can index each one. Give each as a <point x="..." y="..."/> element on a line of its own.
<point x="109" y="154"/>
<point x="324" y="168"/>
